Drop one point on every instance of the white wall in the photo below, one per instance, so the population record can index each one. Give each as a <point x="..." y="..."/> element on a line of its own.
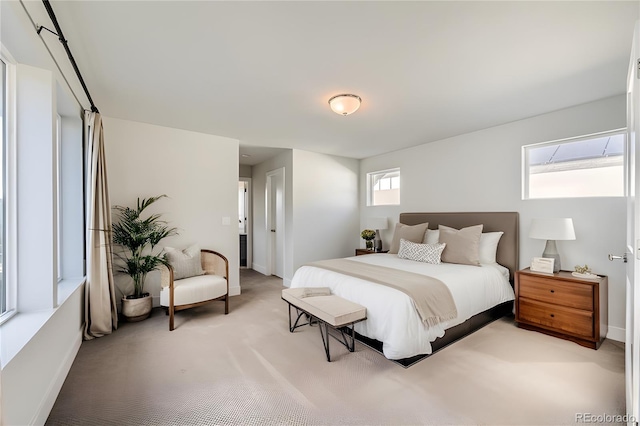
<point x="321" y="208"/>
<point x="199" y="174"/>
<point x="325" y="207"/>
<point x="481" y="171"/>
<point x="245" y="171"/>
<point x="33" y="378"/>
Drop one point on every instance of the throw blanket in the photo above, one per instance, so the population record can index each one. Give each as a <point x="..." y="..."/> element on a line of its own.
<point x="431" y="297"/>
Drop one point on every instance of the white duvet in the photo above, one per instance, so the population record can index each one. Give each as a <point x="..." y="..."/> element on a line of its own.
<point x="391" y="316"/>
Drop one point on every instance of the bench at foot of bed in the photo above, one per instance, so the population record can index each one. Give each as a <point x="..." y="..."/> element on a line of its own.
<point x="330" y="311"/>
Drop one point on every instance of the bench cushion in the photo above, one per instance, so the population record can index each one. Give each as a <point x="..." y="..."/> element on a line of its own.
<point x="194" y="289"/>
<point x="332" y="309"/>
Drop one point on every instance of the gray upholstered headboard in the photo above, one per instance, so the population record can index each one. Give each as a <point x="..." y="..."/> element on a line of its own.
<point x="506" y="222"/>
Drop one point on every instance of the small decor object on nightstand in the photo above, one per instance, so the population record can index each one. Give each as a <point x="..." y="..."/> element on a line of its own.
<point x="542" y="264"/>
<point x="583" y="272"/>
<point x="376" y="223"/>
<point x="368" y="235"/>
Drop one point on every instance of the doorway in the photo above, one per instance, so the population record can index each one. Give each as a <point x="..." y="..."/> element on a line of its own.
<point x="244" y="221"/>
<point x="275" y="222"/>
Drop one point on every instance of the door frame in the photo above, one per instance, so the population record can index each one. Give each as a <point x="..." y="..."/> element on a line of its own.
<point x="270" y="243"/>
<point x="632" y="338"/>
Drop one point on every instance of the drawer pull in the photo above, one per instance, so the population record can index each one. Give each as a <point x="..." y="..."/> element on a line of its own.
<point x="553" y="316"/>
<point x="553" y="291"/>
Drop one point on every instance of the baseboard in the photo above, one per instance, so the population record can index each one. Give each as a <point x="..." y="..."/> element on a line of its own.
<point x="259" y="268"/>
<point x="616" y="333"/>
<point x="49" y="400"/>
<point x="234" y="291"/>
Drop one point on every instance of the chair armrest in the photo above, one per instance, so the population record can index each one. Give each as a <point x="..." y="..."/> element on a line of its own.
<point x="166" y="275"/>
<point x="214" y="263"/>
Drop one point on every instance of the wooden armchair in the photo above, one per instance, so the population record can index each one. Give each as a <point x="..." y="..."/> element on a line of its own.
<point x="186" y="293"/>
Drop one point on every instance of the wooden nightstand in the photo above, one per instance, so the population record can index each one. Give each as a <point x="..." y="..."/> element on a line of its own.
<point x="362" y="251"/>
<point x="563" y="306"/>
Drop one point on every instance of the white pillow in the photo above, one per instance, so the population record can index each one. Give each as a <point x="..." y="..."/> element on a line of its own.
<point x="431" y="237"/>
<point x="185" y="263"/>
<point x="428" y="253"/>
<point x="489" y="246"/>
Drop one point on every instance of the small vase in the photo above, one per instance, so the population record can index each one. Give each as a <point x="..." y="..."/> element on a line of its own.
<point x="369" y="245"/>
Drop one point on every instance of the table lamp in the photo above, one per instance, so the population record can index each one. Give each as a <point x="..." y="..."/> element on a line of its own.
<point x="376" y="223"/>
<point x="552" y="229"/>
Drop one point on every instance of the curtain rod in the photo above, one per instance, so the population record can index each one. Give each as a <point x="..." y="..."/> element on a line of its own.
<point x="58" y="32"/>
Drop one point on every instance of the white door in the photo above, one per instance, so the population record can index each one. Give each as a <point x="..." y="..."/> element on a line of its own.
<point x="275" y="222"/>
<point x="632" y="346"/>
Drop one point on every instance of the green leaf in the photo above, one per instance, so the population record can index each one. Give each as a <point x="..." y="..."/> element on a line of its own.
<point x="138" y="238"/>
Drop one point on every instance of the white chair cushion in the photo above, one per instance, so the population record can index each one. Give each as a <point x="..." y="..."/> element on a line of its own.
<point x="195" y="289"/>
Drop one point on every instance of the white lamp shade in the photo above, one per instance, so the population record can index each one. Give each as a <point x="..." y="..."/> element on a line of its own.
<point x="375" y="223"/>
<point x="552" y="229"/>
<point x="345" y="104"/>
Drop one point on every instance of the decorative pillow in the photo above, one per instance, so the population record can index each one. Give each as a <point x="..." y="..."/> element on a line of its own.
<point x="414" y="233"/>
<point x="185" y="263"/>
<point x="428" y="253"/>
<point x="431" y="237"/>
<point x="489" y="246"/>
<point x="463" y="245"/>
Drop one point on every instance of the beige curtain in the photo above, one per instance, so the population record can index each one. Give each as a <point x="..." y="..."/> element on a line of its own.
<point x="101" y="315"/>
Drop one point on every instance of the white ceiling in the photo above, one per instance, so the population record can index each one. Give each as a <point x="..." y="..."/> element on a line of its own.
<point x="262" y="72"/>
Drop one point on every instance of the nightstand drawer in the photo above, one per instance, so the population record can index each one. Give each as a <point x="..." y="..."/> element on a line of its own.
<point x="574" y="295"/>
<point x="559" y="318"/>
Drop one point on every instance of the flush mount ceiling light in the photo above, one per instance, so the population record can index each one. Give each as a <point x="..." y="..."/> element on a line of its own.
<point x="345" y="104"/>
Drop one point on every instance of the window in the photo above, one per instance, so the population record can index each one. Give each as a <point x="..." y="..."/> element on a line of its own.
<point x="59" y="188"/>
<point x="3" y="138"/>
<point x="383" y="188"/>
<point x="590" y="166"/>
<point x="7" y="134"/>
<point x="69" y="191"/>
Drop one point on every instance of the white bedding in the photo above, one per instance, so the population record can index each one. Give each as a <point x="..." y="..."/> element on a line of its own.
<point x="391" y="317"/>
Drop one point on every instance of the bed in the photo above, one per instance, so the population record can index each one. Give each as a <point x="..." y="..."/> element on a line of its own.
<point x="393" y="323"/>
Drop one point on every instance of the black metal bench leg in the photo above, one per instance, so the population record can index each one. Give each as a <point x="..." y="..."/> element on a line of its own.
<point x="295" y="325"/>
<point x="353" y="339"/>
<point x="325" y="341"/>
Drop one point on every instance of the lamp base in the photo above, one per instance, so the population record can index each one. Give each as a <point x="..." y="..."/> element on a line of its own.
<point x="551" y="252"/>
<point x="377" y="243"/>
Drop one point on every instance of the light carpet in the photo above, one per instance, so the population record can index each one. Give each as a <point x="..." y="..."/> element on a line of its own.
<point x="245" y="368"/>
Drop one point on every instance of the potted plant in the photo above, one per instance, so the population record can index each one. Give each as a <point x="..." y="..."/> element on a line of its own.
<point x="138" y="238"/>
<point x="368" y="235"/>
